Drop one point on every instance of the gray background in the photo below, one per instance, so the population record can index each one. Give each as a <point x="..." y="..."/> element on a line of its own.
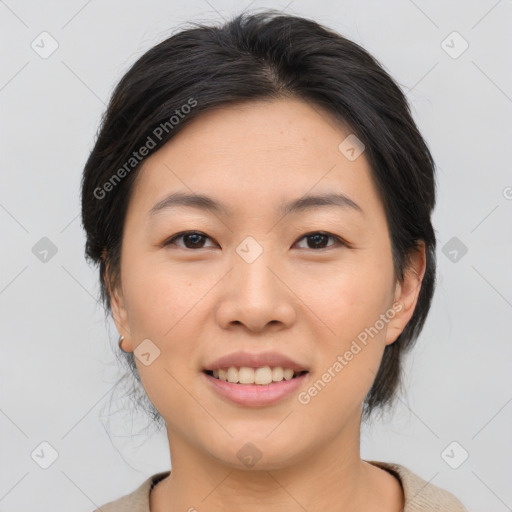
<point x="57" y="351"/>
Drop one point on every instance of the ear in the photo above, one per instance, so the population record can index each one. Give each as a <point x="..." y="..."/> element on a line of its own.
<point x="406" y="293"/>
<point x="118" y="308"/>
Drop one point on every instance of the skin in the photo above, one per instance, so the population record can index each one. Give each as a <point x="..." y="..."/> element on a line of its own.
<point x="196" y="304"/>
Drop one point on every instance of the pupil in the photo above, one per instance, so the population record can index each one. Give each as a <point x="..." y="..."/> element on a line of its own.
<point x="316" y="240"/>
<point x="196" y="238"/>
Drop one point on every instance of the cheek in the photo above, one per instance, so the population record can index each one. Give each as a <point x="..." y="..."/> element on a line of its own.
<point x="161" y="304"/>
<point x="158" y="296"/>
<point x="349" y="351"/>
<point x="349" y="302"/>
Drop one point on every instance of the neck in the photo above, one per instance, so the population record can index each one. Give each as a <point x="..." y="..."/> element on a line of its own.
<point x="328" y="477"/>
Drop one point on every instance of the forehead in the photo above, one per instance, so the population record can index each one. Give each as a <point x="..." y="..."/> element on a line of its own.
<point x="255" y="152"/>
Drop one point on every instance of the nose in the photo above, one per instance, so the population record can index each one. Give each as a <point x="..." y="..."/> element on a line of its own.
<point x="256" y="296"/>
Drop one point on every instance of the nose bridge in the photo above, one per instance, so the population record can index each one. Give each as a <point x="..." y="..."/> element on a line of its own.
<point x="256" y="296"/>
<point x="252" y="272"/>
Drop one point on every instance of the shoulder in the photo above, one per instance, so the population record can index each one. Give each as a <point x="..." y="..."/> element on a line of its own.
<point x="420" y="495"/>
<point x="136" y="501"/>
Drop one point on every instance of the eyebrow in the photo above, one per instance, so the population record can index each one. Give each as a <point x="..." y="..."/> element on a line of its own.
<point x="206" y="203"/>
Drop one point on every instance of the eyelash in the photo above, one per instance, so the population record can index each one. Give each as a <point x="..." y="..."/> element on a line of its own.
<point x="339" y="240"/>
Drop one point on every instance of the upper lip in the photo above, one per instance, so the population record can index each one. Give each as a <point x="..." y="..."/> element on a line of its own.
<point x="239" y="359"/>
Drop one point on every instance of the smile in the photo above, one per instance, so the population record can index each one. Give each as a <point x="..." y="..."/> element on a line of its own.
<point x="251" y="394"/>
<point x="259" y="376"/>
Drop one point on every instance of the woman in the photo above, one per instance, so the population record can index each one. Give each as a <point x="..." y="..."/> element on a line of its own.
<point x="259" y="203"/>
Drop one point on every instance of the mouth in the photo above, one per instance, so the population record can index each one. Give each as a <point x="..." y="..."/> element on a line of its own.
<point x="255" y="387"/>
<point x="262" y="376"/>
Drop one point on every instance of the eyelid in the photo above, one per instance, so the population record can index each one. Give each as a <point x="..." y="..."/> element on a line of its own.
<point x="341" y="241"/>
<point x="337" y="238"/>
<point x="181" y="234"/>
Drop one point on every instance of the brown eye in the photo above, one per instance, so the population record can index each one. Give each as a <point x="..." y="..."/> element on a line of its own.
<point x="319" y="240"/>
<point x="196" y="240"/>
<point x="191" y="239"/>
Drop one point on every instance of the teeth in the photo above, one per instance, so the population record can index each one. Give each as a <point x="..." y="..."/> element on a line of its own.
<point x="246" y="375"/>
<point x="277" y="374"/>
<point x="232" y="375"/>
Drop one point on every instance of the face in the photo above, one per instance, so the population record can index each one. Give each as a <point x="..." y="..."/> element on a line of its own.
<point x="315" y="284"/>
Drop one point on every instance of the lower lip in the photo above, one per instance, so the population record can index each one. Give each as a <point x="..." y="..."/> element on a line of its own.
<point x="255" y="395"/>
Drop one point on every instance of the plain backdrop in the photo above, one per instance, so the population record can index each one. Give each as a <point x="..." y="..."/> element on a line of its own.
<point x="57" y="365"/>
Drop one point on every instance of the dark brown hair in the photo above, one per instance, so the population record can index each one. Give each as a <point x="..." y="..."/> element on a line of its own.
<point x="266" y="55"/>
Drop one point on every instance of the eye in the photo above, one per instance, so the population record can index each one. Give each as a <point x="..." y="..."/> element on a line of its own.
<point x="192" y="239"/>
<point x="319" y="239"/>
<point x="196" y="239"/>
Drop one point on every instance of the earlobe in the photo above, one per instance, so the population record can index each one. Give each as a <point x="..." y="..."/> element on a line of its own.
<point x="119" y="312"/>
<point x="407" y="292"/>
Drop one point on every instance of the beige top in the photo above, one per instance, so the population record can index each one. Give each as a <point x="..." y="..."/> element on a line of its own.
<point x="420" y="496"/>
